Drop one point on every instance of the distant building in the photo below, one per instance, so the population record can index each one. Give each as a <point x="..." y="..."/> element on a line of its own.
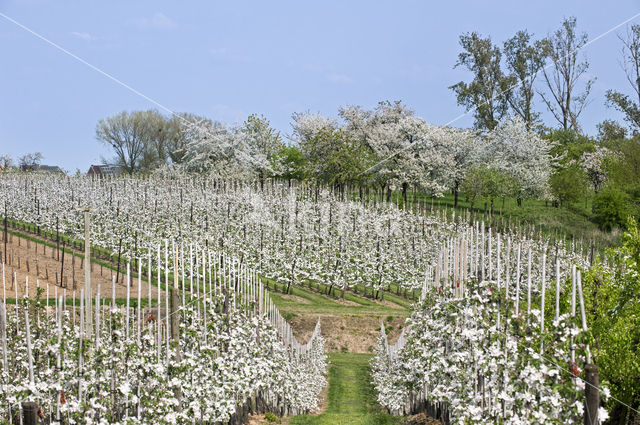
<point x="39" y="167"/>
<point x="103" y="170"/>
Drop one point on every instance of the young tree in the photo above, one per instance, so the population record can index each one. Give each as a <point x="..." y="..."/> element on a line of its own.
<point x="568" y="184"/>
<point x="486" y="93"/>
<point x="631" y="65"/>
<point x="524" y="59"/>
<point x="483" y="182"/>
<point x="563" y="100"/>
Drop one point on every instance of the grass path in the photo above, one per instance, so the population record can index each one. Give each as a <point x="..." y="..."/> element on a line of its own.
<point x="351" y="397"/>
<point x="316" y="303"/>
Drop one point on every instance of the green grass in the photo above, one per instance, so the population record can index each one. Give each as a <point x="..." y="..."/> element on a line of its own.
<point x="351" y="397"/>
<point x="316" y="303"/>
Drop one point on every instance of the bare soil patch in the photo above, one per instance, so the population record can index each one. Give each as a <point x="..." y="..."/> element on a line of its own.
<point x="344" y="302"/>
<point x="296" y="298"/>
<point x="43" y="265"/>
<point x="354" y="334"/>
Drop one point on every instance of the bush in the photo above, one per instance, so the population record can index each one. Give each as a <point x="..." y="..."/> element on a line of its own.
<point x="271" y="417"/>
<point x="611" y="208"/>
<point x="568" y="185"/>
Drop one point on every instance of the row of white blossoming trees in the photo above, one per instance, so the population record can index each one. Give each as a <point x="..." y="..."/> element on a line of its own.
<point x="297" y="235"/>
<point x="499" y="336"/>
<point x="206" y="346"/>
<point x="203" y="349"/>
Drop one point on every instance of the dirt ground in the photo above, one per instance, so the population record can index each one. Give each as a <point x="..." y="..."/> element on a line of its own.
<point x="353" y="334"/>
<point x="41" y="264"/>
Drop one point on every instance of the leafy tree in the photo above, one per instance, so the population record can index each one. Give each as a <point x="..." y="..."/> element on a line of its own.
<point x="288" y="163"/>
<point x="568" y="184"/>
<point x="624" y="171"/>
<point x="611" y="208"/>
<point x="524" y="59"/>
<point x="631" y="65"/>
<point x="612" y="298"/>
<point x="609" y="130"/>
<point x="486" y="93"/>
<point x="568" y="145"/>
<point x="485" y="183"/>
<point x="563" y="100"/>
<point x="334" y="158"/>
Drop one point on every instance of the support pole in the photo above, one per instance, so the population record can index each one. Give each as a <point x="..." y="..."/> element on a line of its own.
<point x="591" y="395"/>
<point x="29" y="413"/>
<point x="87" y="269"/>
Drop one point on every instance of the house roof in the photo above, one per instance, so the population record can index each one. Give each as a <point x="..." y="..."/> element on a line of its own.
<point x="104" y="169"/>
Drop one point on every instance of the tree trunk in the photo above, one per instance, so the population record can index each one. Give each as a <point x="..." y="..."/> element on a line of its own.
<point x="455" y="193"/>
<point x="405" y="185"/>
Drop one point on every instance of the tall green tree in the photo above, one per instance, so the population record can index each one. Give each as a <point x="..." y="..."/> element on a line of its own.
<point x="563" y="98"/>
<point x="524" y="60"/>
<point x="629" y="106"/>
<point x="486" y="93"/>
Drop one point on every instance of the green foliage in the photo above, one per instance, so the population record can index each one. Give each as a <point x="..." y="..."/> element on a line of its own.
<point x="568" y="145"/>
<point x="486" y="184"/>
<point x="626" y="105"/>
<point x="609" y="130"/>
<point x="486" y="93"/>
<point x="524" y="59"/>
<point x="612" y="299"/>
<point x="611" y="208"/>
<point x="568" y="185"/>
<point x="335" y="159"/>
<point x="272" y="418"/>
<point x="624" y="172"/>
<point x="288" y="163"/>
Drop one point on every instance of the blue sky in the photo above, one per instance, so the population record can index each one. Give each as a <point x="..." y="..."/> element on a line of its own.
<point x="226" y="60"/>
